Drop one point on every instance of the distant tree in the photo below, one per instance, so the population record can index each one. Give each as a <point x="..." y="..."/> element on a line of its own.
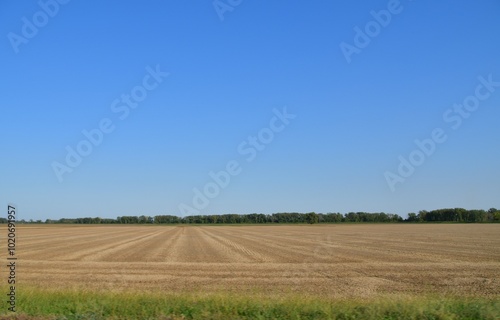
<point x="496" y="216"/>
<point x="312" y="218"/>
<point x="332" y="217"/>
<point x="412" y="217"/>
<point x="213" y="219"/>
<point x="439" y="215"/>
<point x="394" y="218"/>
<point x="422" y="215"/>
<point x="143" y="219"/>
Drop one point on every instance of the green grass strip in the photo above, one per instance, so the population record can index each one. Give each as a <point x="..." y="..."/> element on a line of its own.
<point x="88" y="305"/>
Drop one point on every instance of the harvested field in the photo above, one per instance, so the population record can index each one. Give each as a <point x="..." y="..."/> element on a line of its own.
<point x="327" y="260"/>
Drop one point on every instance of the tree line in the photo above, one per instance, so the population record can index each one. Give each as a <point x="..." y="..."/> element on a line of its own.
<point x="439" y="215"/>
<point x="455" y="215"/>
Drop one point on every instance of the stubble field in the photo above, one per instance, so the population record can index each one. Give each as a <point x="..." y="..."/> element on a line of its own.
<point x="327" y="261"/>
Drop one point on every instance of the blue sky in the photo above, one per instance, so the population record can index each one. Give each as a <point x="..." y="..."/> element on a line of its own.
<point x="226" y="81"/>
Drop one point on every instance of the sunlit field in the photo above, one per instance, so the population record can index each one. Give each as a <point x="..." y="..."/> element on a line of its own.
<point x="220" y="271"/>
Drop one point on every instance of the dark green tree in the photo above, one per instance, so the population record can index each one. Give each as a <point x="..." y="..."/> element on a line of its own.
<point x="312" y="218"/>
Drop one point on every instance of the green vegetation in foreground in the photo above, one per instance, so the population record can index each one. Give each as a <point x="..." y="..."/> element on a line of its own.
<point x="88" y="305"/>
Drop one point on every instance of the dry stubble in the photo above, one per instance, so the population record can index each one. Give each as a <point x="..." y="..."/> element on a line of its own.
<point x="326" y="260"/>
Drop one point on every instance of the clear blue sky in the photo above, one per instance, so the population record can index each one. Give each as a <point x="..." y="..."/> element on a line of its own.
<point x="353" y="120"/>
